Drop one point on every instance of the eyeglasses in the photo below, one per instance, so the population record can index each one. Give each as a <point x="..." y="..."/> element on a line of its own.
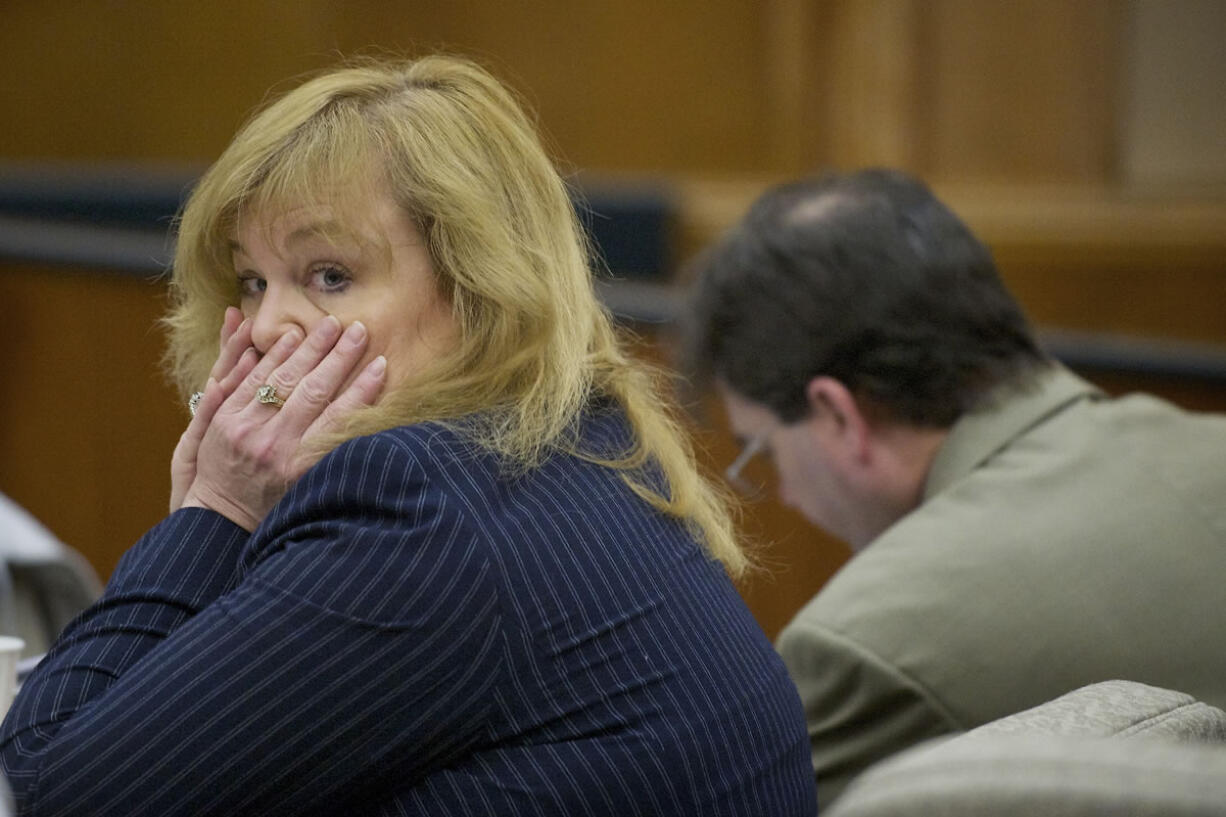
<point x="743" y="483"/>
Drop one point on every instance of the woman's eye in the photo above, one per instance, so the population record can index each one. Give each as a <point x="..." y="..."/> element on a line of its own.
<point x="331" y="278"/>
<point x="250" y="285"/>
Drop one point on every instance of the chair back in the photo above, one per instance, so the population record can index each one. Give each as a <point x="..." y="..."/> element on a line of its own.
<point x="1117" y="747"/>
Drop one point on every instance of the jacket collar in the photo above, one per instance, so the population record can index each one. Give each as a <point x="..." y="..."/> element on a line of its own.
<point x="1008" y="412"/>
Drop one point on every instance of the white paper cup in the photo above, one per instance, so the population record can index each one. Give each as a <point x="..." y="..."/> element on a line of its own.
<point x="10" y="652"/>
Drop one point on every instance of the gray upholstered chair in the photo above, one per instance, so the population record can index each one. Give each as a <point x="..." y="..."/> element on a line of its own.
<point x="1114" y="748"/>
<point x="43" y="582"/>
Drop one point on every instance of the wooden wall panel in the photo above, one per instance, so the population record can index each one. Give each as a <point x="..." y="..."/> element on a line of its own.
<point x="1081" y="257"/>
<point x="87" y="424"/>
<point x="955" y="89"/>
<point x="636" y="85"/>
<point x="1022" y="90"/>
<point x="1077" y="256"/>
<point x="958" y="89"/>
<point x="950" y="88"/>
<point x="145" y="80"/>
<point x="1173" y="123"/>
<point x="869" y="73"/>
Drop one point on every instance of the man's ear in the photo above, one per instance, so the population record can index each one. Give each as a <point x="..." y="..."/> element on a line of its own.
<point x="841" y="422"/>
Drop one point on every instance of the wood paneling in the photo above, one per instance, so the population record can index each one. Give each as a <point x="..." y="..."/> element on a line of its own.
<point x="87" y="424"/>
<point x="1173" y="122"/>
<point x="146" y="80"/>
<point x="1021" y="91"/>
<point x="949" y="88"/>
<point x="870" y="66"/>
<point x="1076" y="256"/>
<point x="1101" y="260"/>
<point x="634" y="85"/>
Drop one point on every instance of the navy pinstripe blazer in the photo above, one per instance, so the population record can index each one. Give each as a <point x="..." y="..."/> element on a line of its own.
<point x="411" y="631"/>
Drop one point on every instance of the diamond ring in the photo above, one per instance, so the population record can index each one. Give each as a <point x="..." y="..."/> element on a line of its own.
<point x="193" y="402"/>
<point x="268" y="394"/>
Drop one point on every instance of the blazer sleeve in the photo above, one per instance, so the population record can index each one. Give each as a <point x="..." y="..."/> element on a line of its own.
<point x="347" y="649"/>
<point x="859" y="707"/>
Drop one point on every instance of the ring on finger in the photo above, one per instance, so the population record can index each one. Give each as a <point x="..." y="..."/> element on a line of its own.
<point x="193" y="402"/>
<point x="267" y="394"/>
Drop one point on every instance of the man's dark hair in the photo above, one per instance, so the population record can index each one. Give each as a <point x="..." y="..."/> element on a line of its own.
<point x="866" y="278"/>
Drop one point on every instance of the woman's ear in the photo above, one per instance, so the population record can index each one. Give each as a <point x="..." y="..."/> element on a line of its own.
<point x="841" y="424"/>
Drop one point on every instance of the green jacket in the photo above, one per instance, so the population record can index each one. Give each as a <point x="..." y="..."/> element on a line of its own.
<point x="1063" y="538"/>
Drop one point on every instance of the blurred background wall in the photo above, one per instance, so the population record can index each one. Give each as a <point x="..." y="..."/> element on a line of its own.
<point x="1085" y="140"/>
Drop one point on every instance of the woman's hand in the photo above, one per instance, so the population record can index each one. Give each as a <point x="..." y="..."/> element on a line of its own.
<point x="235" y="361"/>
<point x="245" y="454"/>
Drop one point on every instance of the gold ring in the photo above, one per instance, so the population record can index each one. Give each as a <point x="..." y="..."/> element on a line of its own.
<point x="268" y="394"/>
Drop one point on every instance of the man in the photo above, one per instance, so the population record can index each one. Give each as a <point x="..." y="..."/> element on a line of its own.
<point x="1018" y="534"/>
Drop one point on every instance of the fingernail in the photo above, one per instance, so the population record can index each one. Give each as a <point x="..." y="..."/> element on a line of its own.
<point x="329" y="327"/>
<point x="290" y="339"/>
<point x="356" y="333"/>
<point x="377" y="366"/>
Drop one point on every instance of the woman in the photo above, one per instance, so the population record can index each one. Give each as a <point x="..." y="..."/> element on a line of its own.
<point x="434" y="547"/>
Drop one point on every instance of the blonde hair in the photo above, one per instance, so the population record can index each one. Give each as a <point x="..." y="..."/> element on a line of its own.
<point x="535" y="345"/>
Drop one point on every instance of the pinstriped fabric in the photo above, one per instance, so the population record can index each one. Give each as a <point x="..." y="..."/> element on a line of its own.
<point x="411" y="632"/>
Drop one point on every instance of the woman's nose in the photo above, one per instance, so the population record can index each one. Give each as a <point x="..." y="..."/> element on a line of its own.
<point x="280" y="311"/>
